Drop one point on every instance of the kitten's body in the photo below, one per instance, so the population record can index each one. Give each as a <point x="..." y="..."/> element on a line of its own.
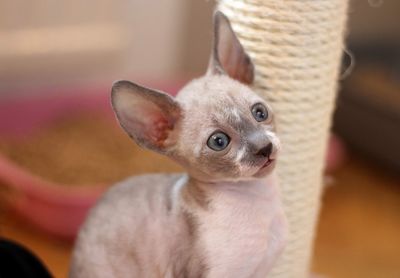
<point x="238" y="233"/>
<point x="224" y="217"/>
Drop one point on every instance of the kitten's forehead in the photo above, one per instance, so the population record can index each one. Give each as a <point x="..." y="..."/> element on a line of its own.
<point x="217" y="92"/>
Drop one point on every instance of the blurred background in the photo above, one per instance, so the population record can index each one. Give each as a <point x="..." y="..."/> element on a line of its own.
<point x="60" y="147"/>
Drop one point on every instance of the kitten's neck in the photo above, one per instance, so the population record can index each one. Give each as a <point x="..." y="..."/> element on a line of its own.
<point x="201" y="193"/>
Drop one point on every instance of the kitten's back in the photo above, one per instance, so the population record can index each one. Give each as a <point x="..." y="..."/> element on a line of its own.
<point x="142" y="206"/>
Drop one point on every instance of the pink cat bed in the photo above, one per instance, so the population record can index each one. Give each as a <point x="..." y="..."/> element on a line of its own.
<point x="58" y="209"/>
<point x="54" y="208"/>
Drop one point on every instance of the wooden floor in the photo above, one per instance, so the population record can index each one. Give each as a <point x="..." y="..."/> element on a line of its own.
<point x="359" y="230"/>
<point x="358" y="233"/>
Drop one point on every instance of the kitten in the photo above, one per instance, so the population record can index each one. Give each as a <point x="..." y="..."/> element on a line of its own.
<point x="224" y="217"/>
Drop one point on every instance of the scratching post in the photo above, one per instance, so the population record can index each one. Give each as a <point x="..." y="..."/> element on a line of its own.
<point x="296" y="46"/>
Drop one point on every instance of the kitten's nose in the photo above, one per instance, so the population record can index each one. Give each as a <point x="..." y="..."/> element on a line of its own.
<point x="265" y="151"/>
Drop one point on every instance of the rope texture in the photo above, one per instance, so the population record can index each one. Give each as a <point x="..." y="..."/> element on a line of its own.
<point x="296" y="46"/>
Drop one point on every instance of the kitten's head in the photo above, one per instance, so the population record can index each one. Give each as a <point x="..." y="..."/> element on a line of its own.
<point x="216" y="127"/>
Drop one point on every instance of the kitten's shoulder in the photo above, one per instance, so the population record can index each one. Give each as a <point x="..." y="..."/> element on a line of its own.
<point x="149" y="181"/>
<point x="134" y="196"/>
<point x="140" y="187"/>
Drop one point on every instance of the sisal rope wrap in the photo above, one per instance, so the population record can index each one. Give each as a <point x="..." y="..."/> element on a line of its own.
<point x="296" y="46"/>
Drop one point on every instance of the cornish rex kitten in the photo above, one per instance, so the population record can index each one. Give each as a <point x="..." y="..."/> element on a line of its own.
<point x="221" y="219"/>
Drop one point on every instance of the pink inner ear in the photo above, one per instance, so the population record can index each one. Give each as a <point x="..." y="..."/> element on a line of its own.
<point x="235" y="61"/>
<point x="148" y="116"/>
<point x="157" y="130"/>
<point x="232" y="57"/>
<point x="153" y="125"/>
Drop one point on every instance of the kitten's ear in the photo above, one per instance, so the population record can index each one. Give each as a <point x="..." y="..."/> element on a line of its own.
<point x="228" y="55"/>
<point x="148" y="116"/>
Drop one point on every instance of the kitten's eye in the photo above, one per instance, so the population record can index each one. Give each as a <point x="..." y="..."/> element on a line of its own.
<point x="260" y="112"/>
<point x="218" y="141"/>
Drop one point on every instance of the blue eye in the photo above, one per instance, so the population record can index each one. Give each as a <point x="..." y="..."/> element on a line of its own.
<point x="260" y="112"/>
<point x="218" y="141"/>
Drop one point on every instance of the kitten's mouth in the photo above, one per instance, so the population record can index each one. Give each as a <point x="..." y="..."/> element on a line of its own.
<point x="267" y="163"/>
<point x="265" y="168"/>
